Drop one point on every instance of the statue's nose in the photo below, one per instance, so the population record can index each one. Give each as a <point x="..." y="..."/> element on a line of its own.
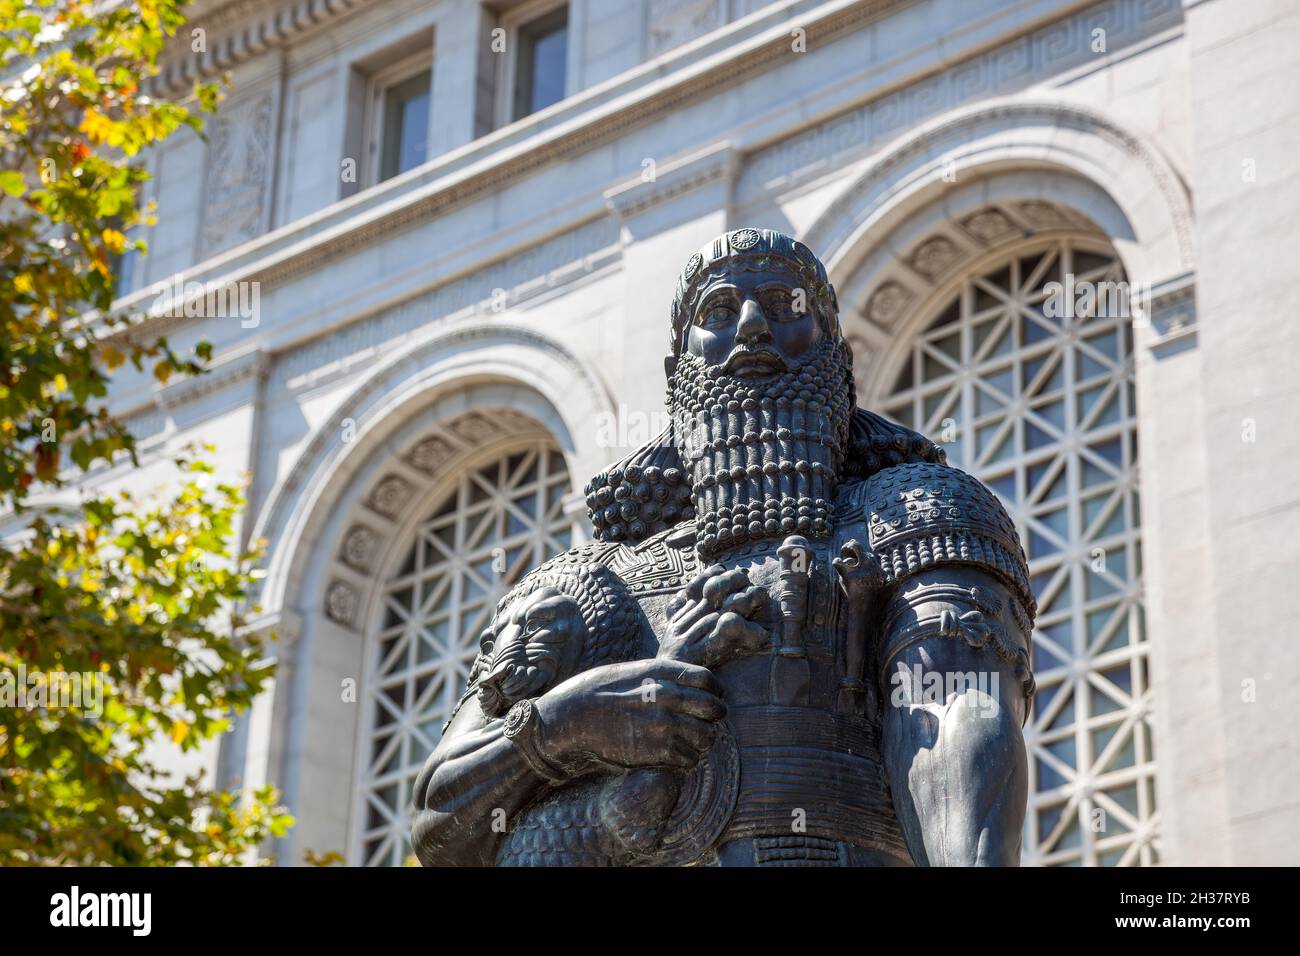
<point x="753" y="327"/>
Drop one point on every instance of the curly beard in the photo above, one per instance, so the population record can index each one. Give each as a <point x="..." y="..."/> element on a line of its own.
<point x="764" y="457"/>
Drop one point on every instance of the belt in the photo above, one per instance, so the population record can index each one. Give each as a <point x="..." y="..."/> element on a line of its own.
<point x="806" y="772"/>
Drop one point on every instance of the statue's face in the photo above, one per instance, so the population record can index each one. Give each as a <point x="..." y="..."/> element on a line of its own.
<point x="754" y="324"/>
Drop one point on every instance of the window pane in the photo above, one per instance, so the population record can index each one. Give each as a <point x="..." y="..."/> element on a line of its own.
<point x="406" y="125"/>
<point x="540" y="72"/>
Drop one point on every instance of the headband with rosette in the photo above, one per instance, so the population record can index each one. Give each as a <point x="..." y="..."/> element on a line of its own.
<point x="750" y="248"/>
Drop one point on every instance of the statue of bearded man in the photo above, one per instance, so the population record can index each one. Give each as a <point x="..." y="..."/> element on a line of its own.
<point x="798" y="638"/>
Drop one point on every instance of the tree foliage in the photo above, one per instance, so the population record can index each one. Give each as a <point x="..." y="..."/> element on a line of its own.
<point x="136" y="595"/>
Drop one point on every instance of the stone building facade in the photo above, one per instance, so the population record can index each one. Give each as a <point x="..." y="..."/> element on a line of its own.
<point x="463" y="221"/>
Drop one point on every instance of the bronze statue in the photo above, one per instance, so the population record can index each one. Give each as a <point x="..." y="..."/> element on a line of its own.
<point x="798" y="638"/>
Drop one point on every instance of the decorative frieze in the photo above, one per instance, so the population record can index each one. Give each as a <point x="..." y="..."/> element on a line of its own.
<point x="236" y="32"/>
<point x="237" y="192"/>
<point x="433" y="457"/>
<point x="951" y="244"/>
<point x="1054" y="48"/>
<point x="887" y="303"/>
<point x="430" y="454"/>
<point x="989" y="225"/>
<point x="934" y="256"/>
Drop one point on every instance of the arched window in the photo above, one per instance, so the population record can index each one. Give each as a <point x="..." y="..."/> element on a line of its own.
<point x="497" y="520"/>
<point x="1041" y="408"/>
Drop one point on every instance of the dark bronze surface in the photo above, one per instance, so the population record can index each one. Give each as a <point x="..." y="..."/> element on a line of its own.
<point x="799" y="639"/>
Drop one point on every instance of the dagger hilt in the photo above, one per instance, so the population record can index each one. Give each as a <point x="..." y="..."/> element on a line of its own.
<point x="796" y="556"/>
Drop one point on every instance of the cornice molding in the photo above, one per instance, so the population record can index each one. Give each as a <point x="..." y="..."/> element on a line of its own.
<point x="289" y="256"/>
<point x="252" y="364"/>
<point x="239" y="31"/>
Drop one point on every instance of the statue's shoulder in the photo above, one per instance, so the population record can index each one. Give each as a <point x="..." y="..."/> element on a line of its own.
<point x="925" y="514"/>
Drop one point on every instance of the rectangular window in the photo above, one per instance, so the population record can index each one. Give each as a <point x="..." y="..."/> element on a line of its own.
<point x="398" y="111"/>
<point x="405" y="125"/>
<point x="543" y="47"/>
<point x="534" y="72"/>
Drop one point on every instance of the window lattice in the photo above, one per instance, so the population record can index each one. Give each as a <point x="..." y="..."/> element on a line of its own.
<point x="501" y="520"/>
<point x="1042" y="410"/>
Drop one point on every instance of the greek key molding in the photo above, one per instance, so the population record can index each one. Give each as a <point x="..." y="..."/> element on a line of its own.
<point x="1014" y="65"/>
<point x="715" y="163"/>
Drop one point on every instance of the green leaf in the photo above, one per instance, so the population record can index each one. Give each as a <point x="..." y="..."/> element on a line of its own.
<point x="12" y="182"/>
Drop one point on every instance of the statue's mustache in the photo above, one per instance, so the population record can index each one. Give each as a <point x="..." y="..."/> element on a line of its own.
<point x="746" y="356"/>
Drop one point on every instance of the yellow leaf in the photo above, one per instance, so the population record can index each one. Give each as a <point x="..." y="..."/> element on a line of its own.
<point x="180" y="731"/>
<point x="23" y="282"/>
<point x="97" y="126"/>
<point x="112" y="357"/>
<point x="114" y="240"/>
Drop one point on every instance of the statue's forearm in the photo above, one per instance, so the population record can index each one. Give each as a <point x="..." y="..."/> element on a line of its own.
<point x="959" y="776"/>
<point x="471" y="786"/>
<point x="955" y="685"/>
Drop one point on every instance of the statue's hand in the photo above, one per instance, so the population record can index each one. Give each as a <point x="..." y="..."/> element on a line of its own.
<point x="710" y="621"/>
<point x="647" y="713"/>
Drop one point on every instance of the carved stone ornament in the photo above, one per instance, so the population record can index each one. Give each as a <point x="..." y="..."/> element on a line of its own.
<point x="341" y="603"/>
<point x="933" y="257"/>
<point x="390" y="496"/>
<point x="760" y="568"/>
<point x="238" y="173"/>
<point x="359" y="547"/>
<point x="430" y="455"/>
<point x="674" y="22"/>
<point x="989" y="225"/>
<point x="886" y="303"/>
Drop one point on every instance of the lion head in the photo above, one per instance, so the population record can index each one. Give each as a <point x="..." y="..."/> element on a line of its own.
<point x="533" y="647"/>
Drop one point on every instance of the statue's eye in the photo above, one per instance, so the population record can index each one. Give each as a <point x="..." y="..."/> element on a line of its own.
<point x="779" y="304"/>
<point x="716" y="314"/>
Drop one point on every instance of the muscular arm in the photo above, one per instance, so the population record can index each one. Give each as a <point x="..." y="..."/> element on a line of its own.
<point x="953" y="747"/>
<point x="472" y="777"/>
<point x="645" y="713"/>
